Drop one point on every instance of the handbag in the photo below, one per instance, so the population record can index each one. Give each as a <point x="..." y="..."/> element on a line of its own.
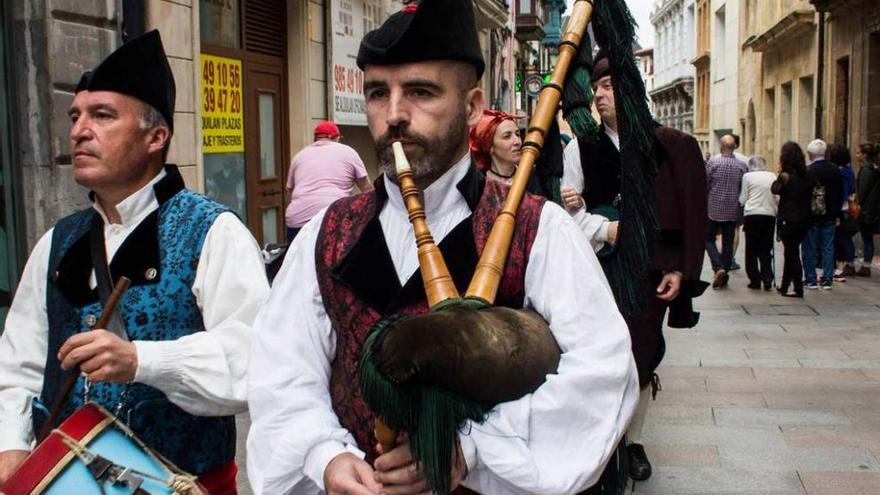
<point x="853" y="208"/>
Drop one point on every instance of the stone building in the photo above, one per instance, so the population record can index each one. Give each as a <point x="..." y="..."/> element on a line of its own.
<point x="673" y="85"/>
<point x="253" y="77"/>
<point x="724" y="70"/>
<point x="850" y="112"/>
<point x="777" y="100"/>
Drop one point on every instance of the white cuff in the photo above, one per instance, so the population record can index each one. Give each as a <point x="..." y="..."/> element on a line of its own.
<point x="154" y="361"/>
<point x="602" y="233"/>
<point x="469" y="451"/>
<point x="16" y="435"/>
<point x="319" y="456"/>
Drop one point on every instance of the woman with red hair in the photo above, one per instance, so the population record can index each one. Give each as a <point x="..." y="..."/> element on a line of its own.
<point x="496" y="146"/>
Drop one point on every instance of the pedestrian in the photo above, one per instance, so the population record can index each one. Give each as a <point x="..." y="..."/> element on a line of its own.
<point x="825" y="207"/>
<point x="357" y="262"/>
<point x="759" y="210"/>
<point x="173" y="364"/>
<point x="724" y="180"/>
<point x="794" y="218"/>
<point x="496" y="146"/>
<point x="593" y="186"/>
<point x="321" y="173"/>
<point x="844" y="247"/>
<point x="868" y="186"/>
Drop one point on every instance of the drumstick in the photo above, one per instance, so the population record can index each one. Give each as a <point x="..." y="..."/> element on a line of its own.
<point x="109" y="307"/>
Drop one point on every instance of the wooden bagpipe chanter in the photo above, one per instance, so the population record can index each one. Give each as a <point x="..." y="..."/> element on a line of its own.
<point x="93" y="452"/>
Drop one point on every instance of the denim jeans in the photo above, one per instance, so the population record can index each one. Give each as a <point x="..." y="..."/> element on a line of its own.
<point x="820" y="238"/>
<point x="725" y="258"/>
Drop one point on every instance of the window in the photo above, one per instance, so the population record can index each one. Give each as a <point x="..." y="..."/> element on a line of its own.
<point x="219" y="23"/>
<point x="719" y="44"/>
<point x="785" y="114"/>
<point x="806" y="113"/>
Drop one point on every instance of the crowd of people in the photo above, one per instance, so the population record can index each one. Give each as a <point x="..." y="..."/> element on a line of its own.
<point x="815" y="204"/>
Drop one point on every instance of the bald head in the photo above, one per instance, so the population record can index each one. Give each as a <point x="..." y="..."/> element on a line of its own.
<point x="728" y="144"/>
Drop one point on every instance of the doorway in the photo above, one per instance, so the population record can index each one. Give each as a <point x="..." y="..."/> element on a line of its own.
<point x="264" y="153"/>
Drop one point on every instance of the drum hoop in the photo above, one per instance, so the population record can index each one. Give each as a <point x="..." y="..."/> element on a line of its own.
<point x="88" y="437"/>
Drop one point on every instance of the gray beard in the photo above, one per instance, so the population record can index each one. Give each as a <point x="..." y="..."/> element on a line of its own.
<point x="432" y="157"/>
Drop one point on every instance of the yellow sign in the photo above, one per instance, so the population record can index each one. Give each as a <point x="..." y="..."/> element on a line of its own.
<point x="222" y="118"/>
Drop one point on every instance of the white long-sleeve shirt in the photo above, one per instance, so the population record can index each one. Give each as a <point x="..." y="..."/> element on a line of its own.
<point x="203" y="373"/>
<point x="555" y="440"/>
<point x="755" y="194"/>
<point x="595" y="227"/>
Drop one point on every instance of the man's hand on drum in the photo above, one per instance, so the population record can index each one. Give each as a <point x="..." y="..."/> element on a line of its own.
<point x="101" y="356"/>
<point x="400" y="475"/>
<point x="10" y="460"/>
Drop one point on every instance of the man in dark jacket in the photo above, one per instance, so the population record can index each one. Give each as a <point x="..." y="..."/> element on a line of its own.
<point x="826" y="203"/>
<point x="677" y="258"/>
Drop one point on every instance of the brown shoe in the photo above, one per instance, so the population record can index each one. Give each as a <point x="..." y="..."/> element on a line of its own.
<point x="864" y="271"/>
<point x="849" y="271"/>
<point x="720" y="279"/>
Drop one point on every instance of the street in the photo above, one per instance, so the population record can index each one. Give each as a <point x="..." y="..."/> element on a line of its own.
<point x="767" y="395"/>
<point x="771" y="394"/>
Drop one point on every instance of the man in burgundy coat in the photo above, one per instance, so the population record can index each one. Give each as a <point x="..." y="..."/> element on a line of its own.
<point x="592" y="174"/>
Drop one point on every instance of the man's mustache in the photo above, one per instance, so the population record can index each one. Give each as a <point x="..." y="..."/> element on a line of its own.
<point x="385" y="140"/>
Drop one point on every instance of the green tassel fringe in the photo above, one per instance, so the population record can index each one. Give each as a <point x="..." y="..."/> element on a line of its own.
<point x="432" y="417"/>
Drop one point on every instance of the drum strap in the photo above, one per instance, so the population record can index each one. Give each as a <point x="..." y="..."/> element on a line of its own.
<point x="102" y="274"/>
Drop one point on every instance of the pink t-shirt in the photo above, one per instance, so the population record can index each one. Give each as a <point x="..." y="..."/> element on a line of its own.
<point x="321" y="173"/>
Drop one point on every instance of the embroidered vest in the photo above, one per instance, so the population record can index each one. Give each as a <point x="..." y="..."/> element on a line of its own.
<point x="158" y="306"/>
<point x="359" y="285"/>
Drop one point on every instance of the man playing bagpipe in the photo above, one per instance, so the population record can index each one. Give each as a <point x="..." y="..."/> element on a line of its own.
<point x="597" y="180"/>
<point x="350" y="300"/>
<point x="171" y="363"/>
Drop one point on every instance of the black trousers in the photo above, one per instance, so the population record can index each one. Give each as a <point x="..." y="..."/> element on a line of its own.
<point x="725" y="258"/>
<point x="792" y="270"/>
<point x="759" y="245"/>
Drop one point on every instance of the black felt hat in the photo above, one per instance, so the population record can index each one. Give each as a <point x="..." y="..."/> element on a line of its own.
<point x="601" y="66"/>
<point x="139" y="69"/>
<point x="427" y="30"/>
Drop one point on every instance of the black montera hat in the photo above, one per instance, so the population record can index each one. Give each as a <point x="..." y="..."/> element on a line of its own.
<point x="426" y="30"/>
<point x="139" y="69"/>
<point x="601" y="66"/>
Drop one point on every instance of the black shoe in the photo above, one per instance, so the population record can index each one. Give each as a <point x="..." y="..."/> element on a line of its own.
<point x="768" y="286"/>
<point x="734" y="266"/>
<point x="754" y="285"/>
<point x="639" y="467"/>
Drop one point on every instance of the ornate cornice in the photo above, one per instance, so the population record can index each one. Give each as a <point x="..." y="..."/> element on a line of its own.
<point x="791" y="26"/>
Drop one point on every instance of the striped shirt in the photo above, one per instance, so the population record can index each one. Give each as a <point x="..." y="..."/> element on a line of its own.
<point x="724" y="178"/>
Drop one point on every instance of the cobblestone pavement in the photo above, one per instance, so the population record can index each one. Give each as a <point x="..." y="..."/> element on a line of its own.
<point x="767" y="395"/>
<point x="771" y="395"/>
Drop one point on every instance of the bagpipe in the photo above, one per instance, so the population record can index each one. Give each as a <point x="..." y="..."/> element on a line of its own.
<point x="93" y="452"/>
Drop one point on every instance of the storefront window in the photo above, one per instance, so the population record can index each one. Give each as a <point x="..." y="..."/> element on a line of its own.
<point x="219" y="22"/>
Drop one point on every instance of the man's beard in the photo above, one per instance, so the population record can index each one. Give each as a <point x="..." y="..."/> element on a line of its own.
<point x="429" y="157"/>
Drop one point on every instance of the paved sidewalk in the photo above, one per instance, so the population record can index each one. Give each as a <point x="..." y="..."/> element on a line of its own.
<point x="771" y="395"/>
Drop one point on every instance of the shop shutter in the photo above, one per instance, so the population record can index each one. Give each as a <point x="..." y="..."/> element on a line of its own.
<point x="265" y="26"/>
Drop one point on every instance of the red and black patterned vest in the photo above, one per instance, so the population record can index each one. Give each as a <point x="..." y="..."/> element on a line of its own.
<point x="359" y="285"/>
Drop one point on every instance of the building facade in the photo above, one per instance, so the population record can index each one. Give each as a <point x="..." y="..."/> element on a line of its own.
<point x="777" y="102"/>
<point x="850" y="110"/>
<point x="724" y="70"/>
<point x="674" y="48"/>
<point x="702" y="74"/>
<point x="645" y="62"/>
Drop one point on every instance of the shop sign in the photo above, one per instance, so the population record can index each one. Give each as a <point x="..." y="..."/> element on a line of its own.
<point x="222" y="116"/>
<point x="351" y="20"/>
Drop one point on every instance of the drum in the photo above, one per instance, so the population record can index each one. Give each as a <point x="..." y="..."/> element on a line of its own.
<point x="94" y="453"/>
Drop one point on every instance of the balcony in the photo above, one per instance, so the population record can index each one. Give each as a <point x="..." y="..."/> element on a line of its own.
<point x="529" y="20"/>
<point x="788" y="29"/>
